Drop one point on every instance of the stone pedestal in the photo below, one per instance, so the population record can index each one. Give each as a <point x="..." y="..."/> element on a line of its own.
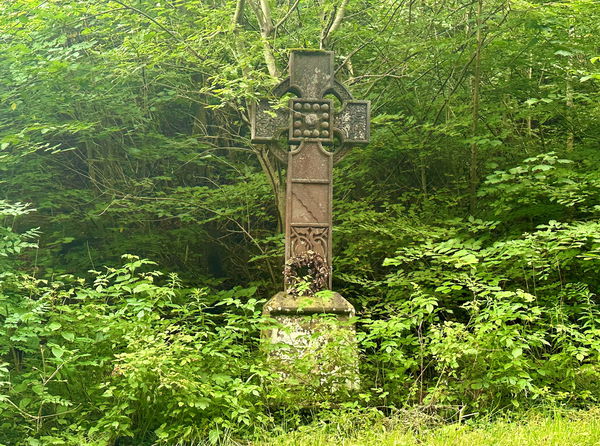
<point x="312" y="346"/>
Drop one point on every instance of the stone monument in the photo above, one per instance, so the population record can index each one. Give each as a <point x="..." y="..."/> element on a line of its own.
<point x="310" y="122"/>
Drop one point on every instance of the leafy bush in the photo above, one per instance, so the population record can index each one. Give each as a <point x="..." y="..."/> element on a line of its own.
<point x="13" y="243"/>
<point x="132" y="355"/>
<point x="478" y="315"/>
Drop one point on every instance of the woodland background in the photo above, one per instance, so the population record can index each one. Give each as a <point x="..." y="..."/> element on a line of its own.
<point x="466" y="233"/>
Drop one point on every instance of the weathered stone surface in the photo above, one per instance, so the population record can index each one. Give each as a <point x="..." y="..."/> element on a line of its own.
<point x="267" y="123"/>
<point x="285" y="304"/>
<point x="313" y="346"/>
<point x="353" y="122"/>
<point x="311" y="72"/>
<point x="309" y="202"/>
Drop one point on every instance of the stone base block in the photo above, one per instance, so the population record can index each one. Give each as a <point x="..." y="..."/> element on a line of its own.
<point x="312" y="346"/>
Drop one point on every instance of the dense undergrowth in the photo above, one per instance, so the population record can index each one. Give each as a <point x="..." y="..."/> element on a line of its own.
<point x="133" y="356"/>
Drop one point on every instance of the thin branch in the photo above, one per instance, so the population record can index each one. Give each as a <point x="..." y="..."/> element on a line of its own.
<point x="337" y="22"/>
<point x="161" y="26"/>
<point x="325" y="30"/>
<point x="275" y="184"/>
<point x="287" y="15"/>
<point x="349" y="56"/>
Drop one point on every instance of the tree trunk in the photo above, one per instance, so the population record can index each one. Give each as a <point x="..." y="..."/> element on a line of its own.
<point x="569" y="99"/>
<point x="476" y="85"/>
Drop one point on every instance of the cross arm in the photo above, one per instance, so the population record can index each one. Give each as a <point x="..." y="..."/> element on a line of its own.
<point x="353" y="122"/>
<point x="267" y="122"/>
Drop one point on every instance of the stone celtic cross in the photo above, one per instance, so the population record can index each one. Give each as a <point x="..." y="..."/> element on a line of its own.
<point x="311" y="121"/>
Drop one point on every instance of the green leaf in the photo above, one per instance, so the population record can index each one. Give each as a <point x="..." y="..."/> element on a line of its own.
<point x="213" y="436"/>
<point x="563" y="53"/>
<point x="68" y="335"/>
<point x="57" y="351"/>
<point x="54" y="326"/>
<point x="141" y="288"/>
<point x="202" y="403"/>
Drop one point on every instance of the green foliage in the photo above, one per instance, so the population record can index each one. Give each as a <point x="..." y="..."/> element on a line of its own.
<point x="133" y="354"/>
<point x="13" y="243"/>
<point x="466" y="237"/>
<point x="474" y="315"/>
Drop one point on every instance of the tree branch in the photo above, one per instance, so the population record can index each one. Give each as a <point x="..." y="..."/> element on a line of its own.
<point x="287" y="15"/>
<point x="263" y="15"/>
<point x="161" y="26"/>
<point x="337" y="22"/>
<point x="266" y="12"/>
<point x="347" y="58"/>
<point x="239" y="12"/>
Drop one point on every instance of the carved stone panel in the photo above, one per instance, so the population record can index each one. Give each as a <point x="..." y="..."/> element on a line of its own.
<point x="310" y="203"/>
<point x="310" y="163"/>
<point x="353" y="122"/>
<point x="309" y="238"/>
<point x="267" y="122"/>
<point x="311" y="72"/>
<point x="308" y="210"/>
<point x="312" y="120"/>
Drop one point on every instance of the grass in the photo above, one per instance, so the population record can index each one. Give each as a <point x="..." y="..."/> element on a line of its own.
<point x="566" y="429"/>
